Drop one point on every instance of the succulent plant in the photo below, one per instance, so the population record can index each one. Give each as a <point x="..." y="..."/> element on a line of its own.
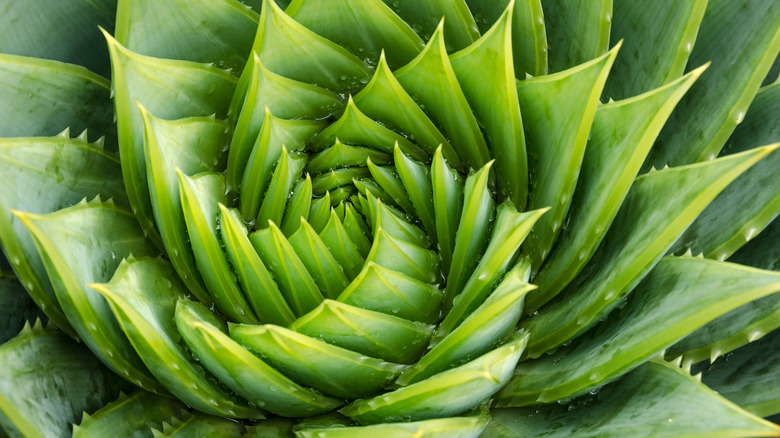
<point x="351" y="217"/>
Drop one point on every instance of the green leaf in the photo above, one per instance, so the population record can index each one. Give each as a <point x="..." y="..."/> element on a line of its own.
<point x="47" y="380"/>
<point x="508" y="233"/>
<point x="335" y="237"/>
<point x="283" y="98"/>
<point x="446" y="394"/>
<point x="170" y="90"/>
<point x="244" y="372"/>
<point x="748" y="376"/>
<point x="354" y="127"/>
<point x="65" y="31"/>
<point x="60" y="96"/>
<point x="384" y="100"/>
<point x="657" y="39"/>
<point x="368" y="332"/>
<point x="319" y="213"/>
<point x="261" y="291"/>
<point x="394" y="293"/>
<point x="42" y="175"/>
<point x="431" y="81"/>
<point x="288" y="170"/>
<point x="678" y="296"/>
<point x="298" y="206"/>
<point x="294" y="281"/>
<point x="200" y="426"/>
<point x="193" y="145"/>
<point x="337" y="178"/>
<point x="143" y="295"/>
<point x="79" y="246"/>
<point x="405" y="257"/>
<point x="395" y="224"/>
<point x="364" y="27"/>
<point x="389" y="181"/>
<point x="743" y="209"/>
<point x="703" y="121"/>
<point x="275" y="135"/>
<point x="621" y="135"/>
<point x="668" y="200"/>
<point x="342" y="155"/>
<point x="318" y="260"/>
<point x="289" y="49"/>
<point x="637" y="405"/>
<point x="559" y="110"/>
<point x="424" y="17"/>
<point x="333" y="370"/>
<point x="130" y="416"/>
<point x="357" y="230"/>
<point x="577" y="31"/>
<point x="200" y="199"/>
<point x="492" y="322"/>
<point x="529" y="37"/>
<point x="485" y="69"/>
<point x="472" y="235"/>
<point x="16" y="307"/>
<point x="202" y="31"/>
<point x="456" y="427"/>
<point x="447" y="204"/>
<point x="761" y="252"/>
<point x="416" y="179"/>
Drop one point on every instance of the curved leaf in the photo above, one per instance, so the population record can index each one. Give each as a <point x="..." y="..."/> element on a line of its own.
<point x="333" y="370"/>
<point x="424" y="17"/>
<point x="47" y="380"/>
<point x="79" y="246"/>
<point x="577" y="31"/>
<point x="143" y="295"/>
<point x="244" y="372"/>
<point x="130" y="416"/>
<point x="457" y="427"/>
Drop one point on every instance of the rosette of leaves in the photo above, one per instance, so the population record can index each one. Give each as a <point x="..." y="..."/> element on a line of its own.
<point x="351" y="217"/>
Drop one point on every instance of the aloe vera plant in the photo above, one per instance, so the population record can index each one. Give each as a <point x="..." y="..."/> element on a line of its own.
<point x="439" y="218"/>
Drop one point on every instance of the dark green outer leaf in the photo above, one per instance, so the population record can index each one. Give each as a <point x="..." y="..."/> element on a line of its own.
<point x="678" y="296"/>
<point x="657" y="39"/>
<point x="47" y="380"/>
<point x="65" y="31"/>
<point x="745" y="207"/>
<point x="749" y="376"/>
<point x="16" y="307"/>
<point x="705" y="119"/>
<point x="529" y="37"/>
<point x="60" y="96"/>
<point x="637" y="405"/>
<point x="43" y="175"/>
<point x="130" y="416"/>
<point x="577" y="31"/>
<point x="643" y="231"/>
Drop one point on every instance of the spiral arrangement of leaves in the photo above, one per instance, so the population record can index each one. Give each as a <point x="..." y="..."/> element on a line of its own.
<point x="412" y="223"/>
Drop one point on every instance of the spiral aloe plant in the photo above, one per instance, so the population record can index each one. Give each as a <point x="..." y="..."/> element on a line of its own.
<point x="406" y="218"/>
